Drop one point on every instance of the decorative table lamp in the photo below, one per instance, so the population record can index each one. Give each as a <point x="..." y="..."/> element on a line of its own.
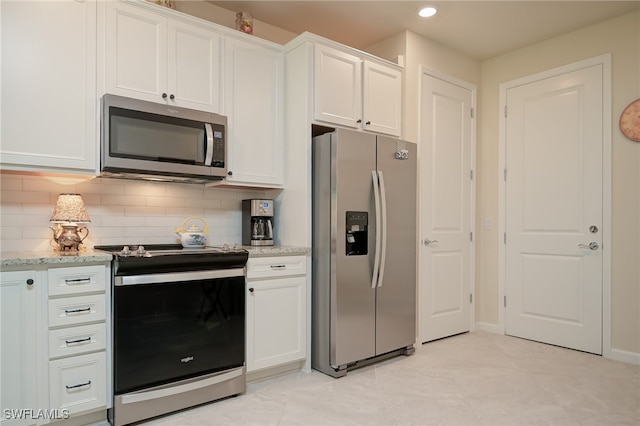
<point x="68" y="213"/>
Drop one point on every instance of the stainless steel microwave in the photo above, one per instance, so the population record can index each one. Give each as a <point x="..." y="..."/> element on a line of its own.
<point x="146" y="140"/>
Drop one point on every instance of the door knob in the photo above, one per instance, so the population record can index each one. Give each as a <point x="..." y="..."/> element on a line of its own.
<point x="428" y="242"/>
<point x="591" y="246"/>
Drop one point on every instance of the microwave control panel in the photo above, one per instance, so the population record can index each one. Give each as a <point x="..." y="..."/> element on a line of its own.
<point x="218" y="158"/>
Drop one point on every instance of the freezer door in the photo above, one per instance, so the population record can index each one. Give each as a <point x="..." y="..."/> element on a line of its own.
<point x="352" y="298"/>
<point x="396" y="294"/>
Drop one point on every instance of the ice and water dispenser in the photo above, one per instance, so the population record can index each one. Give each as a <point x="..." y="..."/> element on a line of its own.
<point x="357" y="233"/>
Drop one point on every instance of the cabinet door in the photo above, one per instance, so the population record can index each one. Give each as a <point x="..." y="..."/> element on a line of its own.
<point x="275" y="322"/>
<point x="18" y="346"/>
<point x="338" y="87"/>
<point x="77" y="383"/>
<point x="49" y="86"/>
<point x="194" y="67"/>
<point x="254" y="105"/>
<point x="382" y="99"/>
<point x="136" y="52"/>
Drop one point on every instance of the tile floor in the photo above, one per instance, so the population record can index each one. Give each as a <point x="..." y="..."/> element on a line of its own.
<point x="471" y="379"/>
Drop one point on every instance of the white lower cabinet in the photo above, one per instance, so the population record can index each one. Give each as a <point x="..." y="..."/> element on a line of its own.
<point x="77" y="383"/>
<point x="276" y="311"/>
<point x="19" y="335"/>
<point x="77" y="338"/>
<point x="53" y="344"/>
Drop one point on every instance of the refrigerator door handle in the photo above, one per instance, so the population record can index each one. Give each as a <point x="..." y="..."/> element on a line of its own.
<point x="383" y="248"/>
<point x="376" y="198"/>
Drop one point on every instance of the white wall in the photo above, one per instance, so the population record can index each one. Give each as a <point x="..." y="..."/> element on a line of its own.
<point x="620" y="37"/>
<point x="121" y="210"/>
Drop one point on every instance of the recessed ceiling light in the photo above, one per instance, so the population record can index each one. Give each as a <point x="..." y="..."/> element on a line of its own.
<point x="426" y="12"/>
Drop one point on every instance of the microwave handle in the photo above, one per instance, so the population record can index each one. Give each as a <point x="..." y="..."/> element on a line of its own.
<point x="208" y="135"/>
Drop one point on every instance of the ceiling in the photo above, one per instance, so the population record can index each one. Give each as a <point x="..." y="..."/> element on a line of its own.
<point x="480" y="29"/>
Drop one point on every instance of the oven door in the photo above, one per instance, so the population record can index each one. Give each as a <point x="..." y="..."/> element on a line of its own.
<point x="174" y="326"/>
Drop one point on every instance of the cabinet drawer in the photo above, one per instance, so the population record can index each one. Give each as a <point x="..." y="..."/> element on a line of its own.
<point x="78" y="383"/>
<point x="265" y="267"/>
<point x="79" y="279"/>
<point x="76" y="310"/>
<point x="77" y="340"/>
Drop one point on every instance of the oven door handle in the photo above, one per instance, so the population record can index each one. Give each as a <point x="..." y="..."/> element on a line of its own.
<point x="175" y="390"/>
<point x="172" y="277"/>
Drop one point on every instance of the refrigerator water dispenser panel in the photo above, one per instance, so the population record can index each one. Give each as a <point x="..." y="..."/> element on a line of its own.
<point x="357" y="233"/>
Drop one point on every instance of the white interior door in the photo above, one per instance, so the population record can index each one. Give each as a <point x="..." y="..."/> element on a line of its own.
<point x="554" y="209"/>
<point x="446" y="209"/>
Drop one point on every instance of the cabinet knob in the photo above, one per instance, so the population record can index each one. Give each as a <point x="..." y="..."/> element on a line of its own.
<point x="164" y="96"/>
<point x="172" y="97"/>
<point x="359" y="121"/>
<point x="230" y="173"/>
<point x="250" y="289"/>
<point x="29" y="281"/>
<point x="367" y="123"/>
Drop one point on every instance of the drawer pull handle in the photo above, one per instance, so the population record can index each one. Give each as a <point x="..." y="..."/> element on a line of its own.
<point x="75" y="311"/>
<point x="78" y="280"/>
<point x="278" y="266"/>
<point x="78" y="385"/>
<point x="86" y="339"/>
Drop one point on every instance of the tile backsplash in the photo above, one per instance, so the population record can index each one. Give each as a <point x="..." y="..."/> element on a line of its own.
<point x="120" y="210"/>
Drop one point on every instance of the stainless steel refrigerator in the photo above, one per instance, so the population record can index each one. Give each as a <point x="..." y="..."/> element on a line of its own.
<point x="364" y="250"/>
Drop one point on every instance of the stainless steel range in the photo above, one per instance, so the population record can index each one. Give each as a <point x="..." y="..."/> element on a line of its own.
<point x="178" y="328"/>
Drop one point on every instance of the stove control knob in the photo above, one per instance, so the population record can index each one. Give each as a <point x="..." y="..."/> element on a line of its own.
<point x="126" y="251"/>
<point x="141" y="251"/>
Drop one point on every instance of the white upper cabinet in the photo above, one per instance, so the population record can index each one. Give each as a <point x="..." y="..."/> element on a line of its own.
<point x="355" y="92"/>
<point x="49" y="106"/>
<point x="254" y="87"/>
<point x="382" y="98"/>
<point x="157" y="58"/>
<point x="338" y="87"/>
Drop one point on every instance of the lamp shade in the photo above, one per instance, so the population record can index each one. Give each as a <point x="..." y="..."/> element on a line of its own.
<point x="70" y="208"/>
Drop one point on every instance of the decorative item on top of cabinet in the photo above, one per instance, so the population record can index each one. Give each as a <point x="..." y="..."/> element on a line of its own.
<point x="244" y="22"/>
<point x="356" y="91"/>
<point x="168" y="60"/>
<point x="276" y="311"/>
<point x="171" y="4"/>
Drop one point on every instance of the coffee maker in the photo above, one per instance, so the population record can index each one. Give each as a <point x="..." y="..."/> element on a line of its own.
<point x="257" y="222"/>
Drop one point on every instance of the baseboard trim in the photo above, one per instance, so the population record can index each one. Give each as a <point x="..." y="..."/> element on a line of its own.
<point x="488" y="327"/>
<point x="625" y="356"/>
<point x="614" y="354"/>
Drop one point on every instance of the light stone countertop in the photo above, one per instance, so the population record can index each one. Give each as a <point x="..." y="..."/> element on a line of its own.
<point x="266" y="251"/>
<point x="30" y="258"/>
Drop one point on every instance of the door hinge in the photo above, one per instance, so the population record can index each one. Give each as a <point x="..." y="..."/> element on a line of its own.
<point x="471" y="112"/>
<point x="471" y="174"/>
<point x="505" y="301"/>
<point x="504" y="237"/>
<point x="471" y="236"/>
<point x="504" y="174"/>
<point x="470" y="297"/>
<point x="505" y="111"/>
